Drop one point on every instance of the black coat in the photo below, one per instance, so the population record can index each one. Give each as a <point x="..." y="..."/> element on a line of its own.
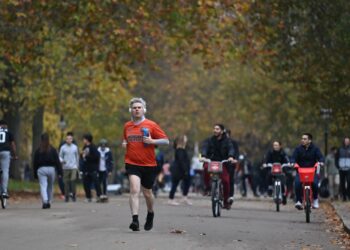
<point x="91" y="161"/>
<point x="180" y="168"/>
<point x="276" y="156"/>
<point x="307" y="157"/>
<point x="45" y="159"/>
<point x="218" y="150"/>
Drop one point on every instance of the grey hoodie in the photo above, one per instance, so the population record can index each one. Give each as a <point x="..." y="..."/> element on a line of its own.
<point x="69" y="156"/>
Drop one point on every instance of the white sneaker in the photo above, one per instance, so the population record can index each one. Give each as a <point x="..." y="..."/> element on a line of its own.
<point x="173" y="203"/>
<point x="230" y="200"/>
<point x="315" y="204"/>
<point x="186" y="201"/>
<point x="298" y="205"/>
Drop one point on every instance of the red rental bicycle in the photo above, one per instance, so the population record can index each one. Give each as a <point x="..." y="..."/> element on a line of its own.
<point x="307" y="175"/>
<point x="278" y="175"/>
<point x="215" y="168"/>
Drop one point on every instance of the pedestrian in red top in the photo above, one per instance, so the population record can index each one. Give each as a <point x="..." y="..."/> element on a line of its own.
<point x="140" y="137"/>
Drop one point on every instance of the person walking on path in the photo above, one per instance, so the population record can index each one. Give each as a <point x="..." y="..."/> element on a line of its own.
<point x="89" y="166"/>
<point x="342" y="161"/>
<point x="332" y="173"/>
<point x="69" y="157"/>
<point x="105" y="167"/>
<point x="140" y="137"/>
<point x="180" y="171"/>
<point x="60" y="180"/>
<point x="7" y="148"/>
<point x="45" y="165"/>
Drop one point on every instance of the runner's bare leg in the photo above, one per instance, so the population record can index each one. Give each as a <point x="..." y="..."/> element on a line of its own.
<point x="135" y="186"/>
<point x="147" y="193"/>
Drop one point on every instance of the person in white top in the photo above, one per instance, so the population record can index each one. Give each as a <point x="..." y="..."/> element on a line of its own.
<point x="105" y="167"/>
<point x="69" y="157"/>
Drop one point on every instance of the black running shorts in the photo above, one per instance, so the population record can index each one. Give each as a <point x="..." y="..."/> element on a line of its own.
<point x="146" y="174"/>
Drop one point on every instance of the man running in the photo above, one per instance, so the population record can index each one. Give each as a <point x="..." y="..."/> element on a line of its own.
<point x="140" y="137"/>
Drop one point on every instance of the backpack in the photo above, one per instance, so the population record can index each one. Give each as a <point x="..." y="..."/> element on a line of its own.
<point x="324" y="188"/>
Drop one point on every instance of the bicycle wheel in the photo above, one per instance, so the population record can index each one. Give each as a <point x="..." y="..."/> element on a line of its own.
<point x="307" y="205"/>
<point x="215" y="198"/>
<point x="221" y="197"/>
<point x="277" y="196"/>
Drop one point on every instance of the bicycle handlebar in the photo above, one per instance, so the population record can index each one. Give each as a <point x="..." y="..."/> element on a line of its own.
<point x="317" y="166"/>
<point x="208" y="160"/>
<point x="269" y="165"/>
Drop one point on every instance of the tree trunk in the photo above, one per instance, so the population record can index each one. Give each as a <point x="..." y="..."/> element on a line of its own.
<point x="37" y="127"/>
<point x="13" y="119"/>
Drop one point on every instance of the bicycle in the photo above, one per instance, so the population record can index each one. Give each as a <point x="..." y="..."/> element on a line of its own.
<point x="3" y="198"/>
<point x="215" y="168"/>
<point x="277" y="173"/>
<point x="307" y="175"/>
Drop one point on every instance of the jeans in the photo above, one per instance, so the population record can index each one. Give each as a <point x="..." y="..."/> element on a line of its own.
<point x="89" y="179"/>
<point x="46" y="179"/>
<point x="231" y="170"/>
<point x="333" y="185"/>
<point x="345" y="183"/>
<point x="299" y="191"/>
<point x="102" y="180"/>
<point x="244" y="186"/>
<point x="186" y="186"/>
<point x="69" y="178"/>
<point x="5" y="159"/>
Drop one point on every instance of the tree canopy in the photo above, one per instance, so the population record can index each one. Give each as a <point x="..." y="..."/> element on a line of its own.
<point x="264" y="68"/>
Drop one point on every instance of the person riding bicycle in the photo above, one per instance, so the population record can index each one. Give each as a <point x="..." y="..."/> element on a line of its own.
<point x="219" y="148"/>
<point x="306" y="155"/>
<point x="7" y="148"/>
<point x="276" y="155"/>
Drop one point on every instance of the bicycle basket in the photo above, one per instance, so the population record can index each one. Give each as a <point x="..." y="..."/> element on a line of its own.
<point x="276" y="168"/>
<point x="306" y="174"/>
<point x="215" y="167"/>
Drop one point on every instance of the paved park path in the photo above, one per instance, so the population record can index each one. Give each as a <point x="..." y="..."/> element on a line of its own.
<point x="249" y="225"/>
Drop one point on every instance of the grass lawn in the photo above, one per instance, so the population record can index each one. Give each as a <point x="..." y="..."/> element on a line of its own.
<point x="33" y="187"/>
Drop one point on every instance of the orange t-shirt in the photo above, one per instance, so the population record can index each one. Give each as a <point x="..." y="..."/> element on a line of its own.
<point x="136" y="152"/>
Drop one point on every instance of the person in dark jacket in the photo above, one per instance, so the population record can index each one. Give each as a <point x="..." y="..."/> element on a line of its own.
<point x="180" y="170"/>
<point x="90" y="160"/>
<point x="232" y="166"/>
<point x="342" y="162"/>
<point x="246" y="168"/>
<point x="276" y="155"/>
<point x="45" y="164"/>
<point x="306" y="155"/>
<point x="105" y="167"/>
<point x="219" y="148"/>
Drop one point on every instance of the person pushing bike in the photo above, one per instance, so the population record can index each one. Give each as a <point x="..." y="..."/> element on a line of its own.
<point x="219" y="148"/>
<point x="306" y="155"/>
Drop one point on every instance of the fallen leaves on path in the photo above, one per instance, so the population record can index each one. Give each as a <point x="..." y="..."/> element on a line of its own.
<point x="336" y="226"/>
<point x="177" y="231"/>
